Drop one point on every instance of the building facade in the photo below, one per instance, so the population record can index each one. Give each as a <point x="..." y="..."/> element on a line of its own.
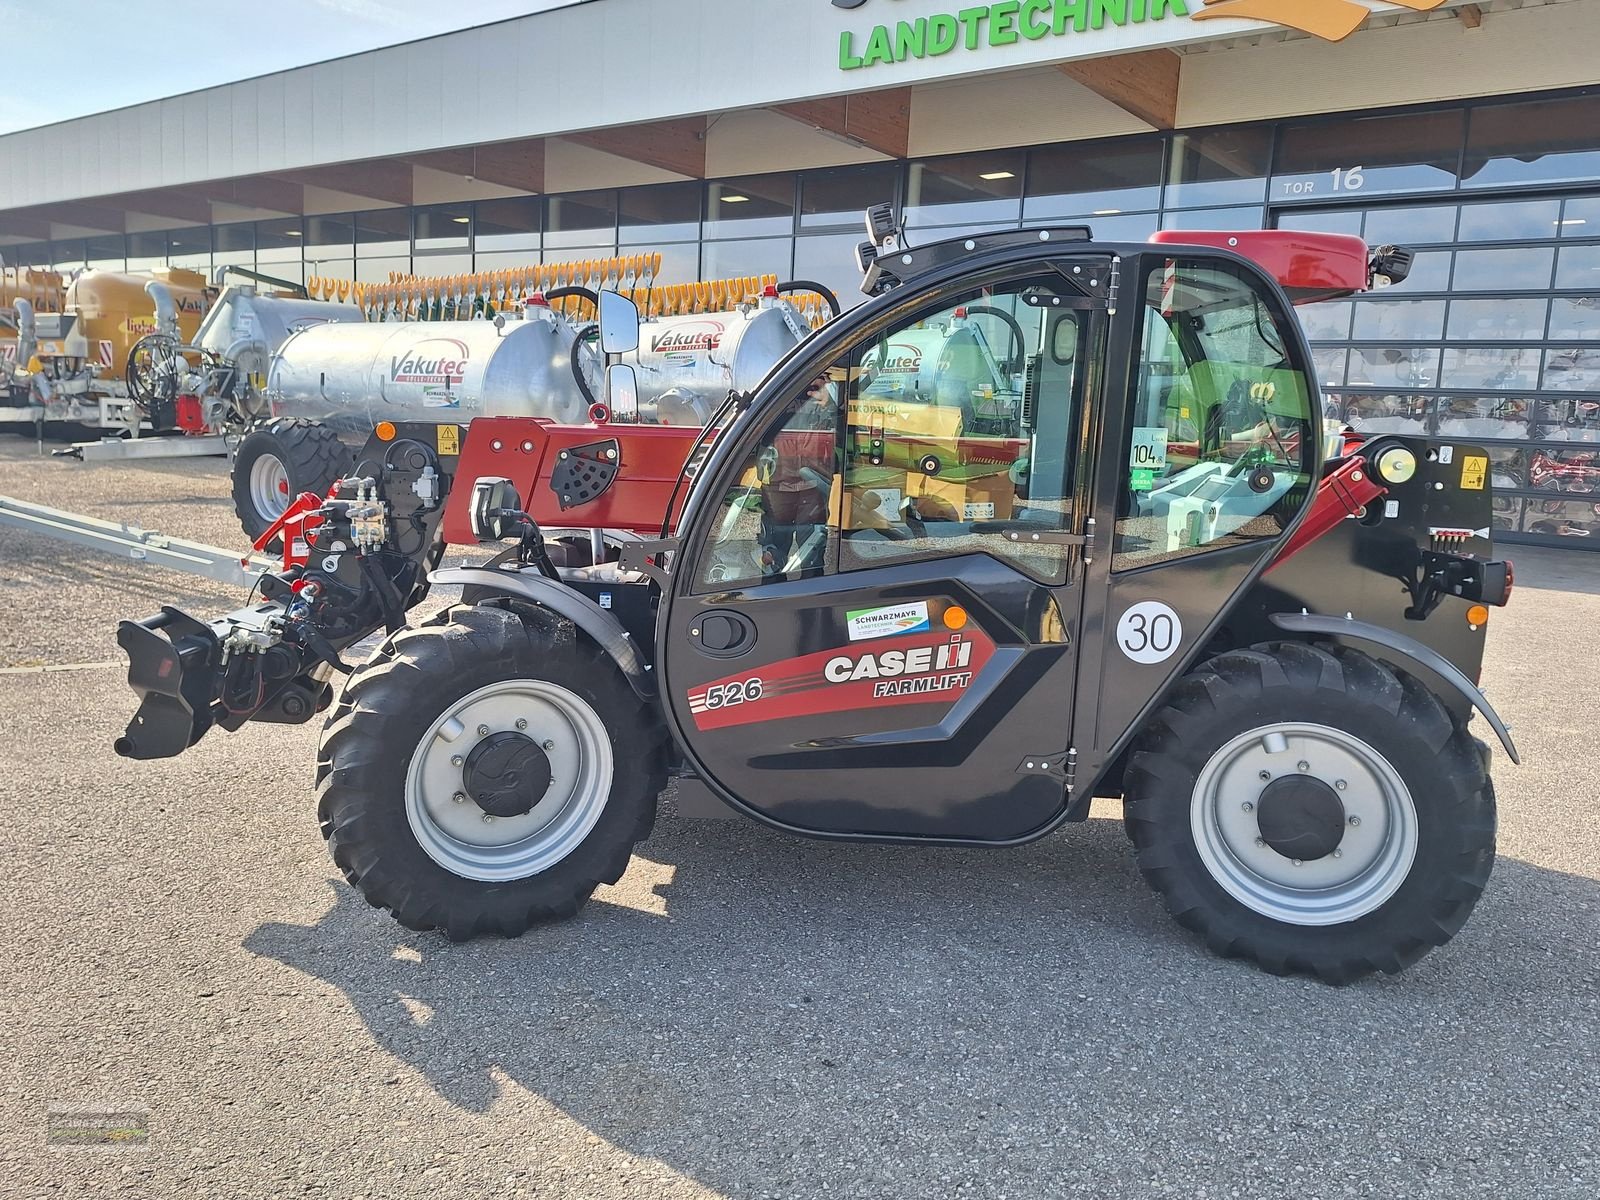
<point x="1470" y="132"/>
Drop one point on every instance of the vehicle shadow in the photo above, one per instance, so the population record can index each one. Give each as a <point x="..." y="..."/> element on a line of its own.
<point x="802" y="1018"/>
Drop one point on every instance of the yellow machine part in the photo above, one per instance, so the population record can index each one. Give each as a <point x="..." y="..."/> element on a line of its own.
<point x="114" y="312"/>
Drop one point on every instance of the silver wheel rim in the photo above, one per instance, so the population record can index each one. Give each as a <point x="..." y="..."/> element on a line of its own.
<point x="269" y="487"/>
<point x="452" y="830"/>
<point x="1373" y="858"/>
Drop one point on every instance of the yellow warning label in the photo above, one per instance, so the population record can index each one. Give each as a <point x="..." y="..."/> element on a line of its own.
<point x="1474" y="472"/>
<point x="449" y="439"/>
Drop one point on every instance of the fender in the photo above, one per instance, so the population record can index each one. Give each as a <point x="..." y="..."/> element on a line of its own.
<point x="1362" y="631"/>
<point x="583" y="612"/>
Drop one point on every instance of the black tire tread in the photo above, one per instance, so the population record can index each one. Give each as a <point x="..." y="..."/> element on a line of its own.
<point x="361" y="772"/>
<point x="311" y="453"/>
<point x="1263" y="683"/>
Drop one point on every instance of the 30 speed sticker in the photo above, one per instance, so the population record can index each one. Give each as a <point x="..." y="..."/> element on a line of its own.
<point x="1149" y="632"/>
<point x="919" y="668"/>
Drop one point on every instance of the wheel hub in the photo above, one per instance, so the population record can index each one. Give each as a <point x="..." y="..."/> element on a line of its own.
<point x="507" y="774"/>
<point x="1301" y="817"/>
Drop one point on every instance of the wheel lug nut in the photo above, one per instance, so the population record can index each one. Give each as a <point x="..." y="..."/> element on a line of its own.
<point x="483" y="731"/>
<point x="549" y="744"/>
<point x="456" y="760"/>
<point x="1338" y="853"/>
<point x="1297" y="862"/>
<point x="1261" y="841"/>
<point x="1341" y="784"/>
<point x="1302" y="766"/>
<point x="1264" y="776"/>
<point x="459" y="797"/>
<point x="522" y="722"/>
<point x="1354" y="821"/>
<point x="488" y="818"/>
<point x="1247" y="806"/>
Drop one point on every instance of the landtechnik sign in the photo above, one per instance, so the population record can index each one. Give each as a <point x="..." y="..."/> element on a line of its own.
<point x="1007" y="22"/>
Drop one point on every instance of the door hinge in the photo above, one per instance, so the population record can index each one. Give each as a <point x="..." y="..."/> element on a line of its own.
<point x="649" y="557"/>
<point x="1062" y="766"/>
<point x="1052" y="537"/>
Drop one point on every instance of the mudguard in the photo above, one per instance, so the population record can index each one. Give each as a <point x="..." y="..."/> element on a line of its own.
<point x="1362" y="631"/>
<point x="583" y="612"/>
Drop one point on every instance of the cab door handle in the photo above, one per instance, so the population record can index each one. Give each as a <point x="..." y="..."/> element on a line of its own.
<point x="723" y="633"/>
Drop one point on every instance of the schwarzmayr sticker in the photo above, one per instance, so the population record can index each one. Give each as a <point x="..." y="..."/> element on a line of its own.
<point x="867" y="623"/>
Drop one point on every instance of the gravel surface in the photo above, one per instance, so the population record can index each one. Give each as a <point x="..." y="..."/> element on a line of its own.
<point x="745" y="1014"/>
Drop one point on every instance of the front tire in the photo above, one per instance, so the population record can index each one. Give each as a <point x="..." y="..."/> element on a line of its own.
<point x="487" y="773"/>
<point x="1314" y="812"/>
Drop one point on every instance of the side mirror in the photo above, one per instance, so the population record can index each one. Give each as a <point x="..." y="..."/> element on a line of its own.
<point x="619" y="324"/>
<point x="622" y="391"/>
<point x="496" y="509"/>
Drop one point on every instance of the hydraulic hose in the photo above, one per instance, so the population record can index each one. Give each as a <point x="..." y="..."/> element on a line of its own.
<point x="811" y="285"/>
<point x="589" y="398"/>
<point x="1013" y="361"/>
<point x="561" y="293"/>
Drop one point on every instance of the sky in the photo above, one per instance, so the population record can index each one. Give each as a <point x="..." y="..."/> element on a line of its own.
<point x="68" y="58"/>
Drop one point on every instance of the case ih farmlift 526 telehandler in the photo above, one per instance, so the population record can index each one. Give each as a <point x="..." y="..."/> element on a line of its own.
<point x="1045" y="519"/>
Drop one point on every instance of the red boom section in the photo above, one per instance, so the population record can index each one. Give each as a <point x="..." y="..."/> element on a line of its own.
<point x="527" y="451"/>
<point x="1343" y="494"/>
<point x="1308" y="266"/>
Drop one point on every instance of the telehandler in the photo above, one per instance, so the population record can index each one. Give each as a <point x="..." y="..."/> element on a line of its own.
<point x="1177" y="586"/>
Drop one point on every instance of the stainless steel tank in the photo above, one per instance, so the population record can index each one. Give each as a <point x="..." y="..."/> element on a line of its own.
<point x="687" y="365"/>
<point x="352" y="376"/>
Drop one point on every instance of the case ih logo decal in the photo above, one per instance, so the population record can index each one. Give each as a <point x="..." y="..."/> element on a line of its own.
<point x="1008" y="22"/>
<point x="697" y="336"/>
<point x="919" y="668"/>
<point x="439" y="361"/>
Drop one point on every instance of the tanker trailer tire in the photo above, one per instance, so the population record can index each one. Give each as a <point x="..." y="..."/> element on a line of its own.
<point x="486" y="772"/>
<point x="276" y="461"/>
<point x="1316" y="812"/>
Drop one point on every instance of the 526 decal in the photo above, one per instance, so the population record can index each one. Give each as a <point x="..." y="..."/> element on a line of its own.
<point x="726" y="695"/>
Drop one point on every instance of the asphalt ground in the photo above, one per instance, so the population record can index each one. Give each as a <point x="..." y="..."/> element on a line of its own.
<point x="745" y="1014"/>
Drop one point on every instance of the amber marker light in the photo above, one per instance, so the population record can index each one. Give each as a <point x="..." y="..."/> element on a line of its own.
<point x="1477" y="615"/>
<point x="385" y="431"/>
<point x="955" y="617"/>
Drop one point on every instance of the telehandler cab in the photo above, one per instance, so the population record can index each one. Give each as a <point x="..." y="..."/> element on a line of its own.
<point x="1045" y="519"/>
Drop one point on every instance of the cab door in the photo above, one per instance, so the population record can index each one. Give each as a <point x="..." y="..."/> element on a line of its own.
<point x="872" y="623"/>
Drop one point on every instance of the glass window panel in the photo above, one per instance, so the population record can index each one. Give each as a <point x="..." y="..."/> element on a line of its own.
<point x="1562" y="521"/>
<point x="962" y="189"/>
<point x="668" y="212"/>
<point x="1492" y="369"/>
<point x="1507" y="512"/>
<point x="1369" y="156"/>
<point x="383" y="232"/>
<point x="190" y="247"/>
<point x="1516" y="221"/>
<point x="1328" y="322"/>
<point x="1504" y="417"/>
<point x="1387" y="412"/>
<point x="750" y="206"/>
<point x="509" y="224"/>
<point x="146" y="250"/>
<point x="581" y="219"/>
<point x="1566" y="419"/>
<point x="378" y="270"/>
<point x="290" y="270"/>
<point x="1411" y="226"/>
<point x="841" y="195"/>
<point x="443" y="227"/>
<point x="504" y="260"/>
<point x="1214" y="218"/>
<point x="680" y="262"/>
<point x="1575" y="318"/>
<point x="1394" y="366"/>
<point x="1508" y="468"/>
<point x="1131" y="227"/>
<point x="332" y="268"/>
<point x="830" y="260"/>
<point x="1578" y="267"/>
<point x="752" y="256"/>
<point x="1329" y="365"/>
<point x="1500" y="320"/>
<point x="336" y="234"/>
<point x="1430" y="271"/>
<point x="1581" y="217"/>
<point x="34" y="254"/>
<point x="1398" y="320"/>
<point x="434" y="265"/>
<point x="1348" y="221"/>
<point x="1223" y="166"/>
<point x="106" y="253"/>
<point x="1571" y="470"/>
<point x="68" y="253"/>
<point x="279" y="239"/>
<point x="1093" y="180"/>
<point x="1546" y="141"/>
<point x="1526" y="269"/>
<point x="1575" y="370"/>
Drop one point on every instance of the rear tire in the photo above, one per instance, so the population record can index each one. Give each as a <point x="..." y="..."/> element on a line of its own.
<point x="276" y="461"/>
<point x="387" y="776"/>
<point x="1250" y="846"/>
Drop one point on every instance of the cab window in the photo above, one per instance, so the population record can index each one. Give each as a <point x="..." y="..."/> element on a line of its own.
<point x="1221" y="444"/>
<point x="934" y="437"/>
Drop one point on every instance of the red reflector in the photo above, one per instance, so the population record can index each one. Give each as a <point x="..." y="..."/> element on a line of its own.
<point x="960" y="313"/>
<point x="1511" y="578"/>
<point x="537" y="300"/>
<point x="770" y="291"/>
